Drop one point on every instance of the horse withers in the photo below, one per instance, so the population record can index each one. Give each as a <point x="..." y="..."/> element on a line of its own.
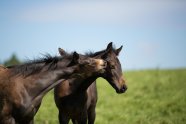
<point x="76" y="98"/>
<point x="22" y="87"/>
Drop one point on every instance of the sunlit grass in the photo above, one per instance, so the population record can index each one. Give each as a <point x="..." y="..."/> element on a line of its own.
<point x="153" y="97"/>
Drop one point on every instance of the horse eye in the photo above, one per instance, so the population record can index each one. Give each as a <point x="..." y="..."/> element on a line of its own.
<point x="112" y="66"/>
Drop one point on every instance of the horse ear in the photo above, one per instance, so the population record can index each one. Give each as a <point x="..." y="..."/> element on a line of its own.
<point x="107" y="51"/>
<point x="118" y="50"/>
<point x="61" y="52"/>
<point x="109" y="46"/>
<point x="75" y="59"/>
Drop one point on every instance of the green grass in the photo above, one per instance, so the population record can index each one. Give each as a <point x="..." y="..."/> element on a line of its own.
<point x="153" y="97"/>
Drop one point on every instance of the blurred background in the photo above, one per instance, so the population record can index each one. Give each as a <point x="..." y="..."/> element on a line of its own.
<point x="153" y="58"/>
<point x="153" y="33"/>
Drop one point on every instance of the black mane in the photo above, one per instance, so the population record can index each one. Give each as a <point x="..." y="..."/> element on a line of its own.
<point x="93" y="54"/>
<point x="34" y="66"/>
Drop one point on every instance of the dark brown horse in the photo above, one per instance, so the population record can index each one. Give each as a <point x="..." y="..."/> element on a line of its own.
<point x="76" y="97"/>
<point x="22" y="87"/>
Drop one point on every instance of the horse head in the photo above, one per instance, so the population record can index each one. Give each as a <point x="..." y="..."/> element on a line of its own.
<point x="113" y="73"/>
<point x="86" y="65"/>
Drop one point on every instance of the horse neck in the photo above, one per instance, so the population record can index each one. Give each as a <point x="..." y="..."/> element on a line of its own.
<point x="86" y="83"/>
<point x="44" y="83"/>
<point x="49" y="79"/>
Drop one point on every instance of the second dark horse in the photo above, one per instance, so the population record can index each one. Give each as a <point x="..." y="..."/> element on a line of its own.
<point x="76" y="97"/>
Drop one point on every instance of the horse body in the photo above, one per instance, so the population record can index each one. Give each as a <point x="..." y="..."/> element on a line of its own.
<point x="18" y="95"/>
<point x="78" y="102"/>
<point x="22" y="90"/>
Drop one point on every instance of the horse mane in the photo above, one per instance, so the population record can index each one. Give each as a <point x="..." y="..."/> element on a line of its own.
<point x="93" y="54"/>
<point x="36" y="65"/>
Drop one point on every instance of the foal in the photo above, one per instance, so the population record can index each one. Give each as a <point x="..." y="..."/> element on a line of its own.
<point x="22" y="87"/>
<point x="76" y="97"/>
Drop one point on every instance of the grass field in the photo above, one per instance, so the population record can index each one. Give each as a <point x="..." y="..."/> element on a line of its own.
<point x="153" y="97"/>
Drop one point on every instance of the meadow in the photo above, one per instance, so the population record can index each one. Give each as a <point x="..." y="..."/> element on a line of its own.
<point x="153" y="97"/>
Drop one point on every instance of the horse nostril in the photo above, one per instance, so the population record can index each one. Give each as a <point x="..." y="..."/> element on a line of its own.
<point x="124" y="88"/>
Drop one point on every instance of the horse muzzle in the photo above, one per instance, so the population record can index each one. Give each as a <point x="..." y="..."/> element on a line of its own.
<point x="122" y="89"/>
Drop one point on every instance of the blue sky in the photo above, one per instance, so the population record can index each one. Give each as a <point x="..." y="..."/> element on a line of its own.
<point x="152" y="32"/>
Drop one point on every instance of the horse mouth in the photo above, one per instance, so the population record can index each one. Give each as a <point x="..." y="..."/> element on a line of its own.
<point x="121" y="90"/>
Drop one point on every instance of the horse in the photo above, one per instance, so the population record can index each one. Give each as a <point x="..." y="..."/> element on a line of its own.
<point x="22" y="87"/>
<point x="76" y="98"/>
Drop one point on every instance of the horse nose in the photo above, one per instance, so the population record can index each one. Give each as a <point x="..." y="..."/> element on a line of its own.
<point x="124" y="88"/>
<point x="102" y="63"/>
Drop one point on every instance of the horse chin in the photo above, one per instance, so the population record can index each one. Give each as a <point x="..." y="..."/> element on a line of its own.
<point x="121" y="90"/>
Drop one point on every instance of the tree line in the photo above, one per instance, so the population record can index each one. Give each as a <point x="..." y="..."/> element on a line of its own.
<point x="13" y="60"/>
